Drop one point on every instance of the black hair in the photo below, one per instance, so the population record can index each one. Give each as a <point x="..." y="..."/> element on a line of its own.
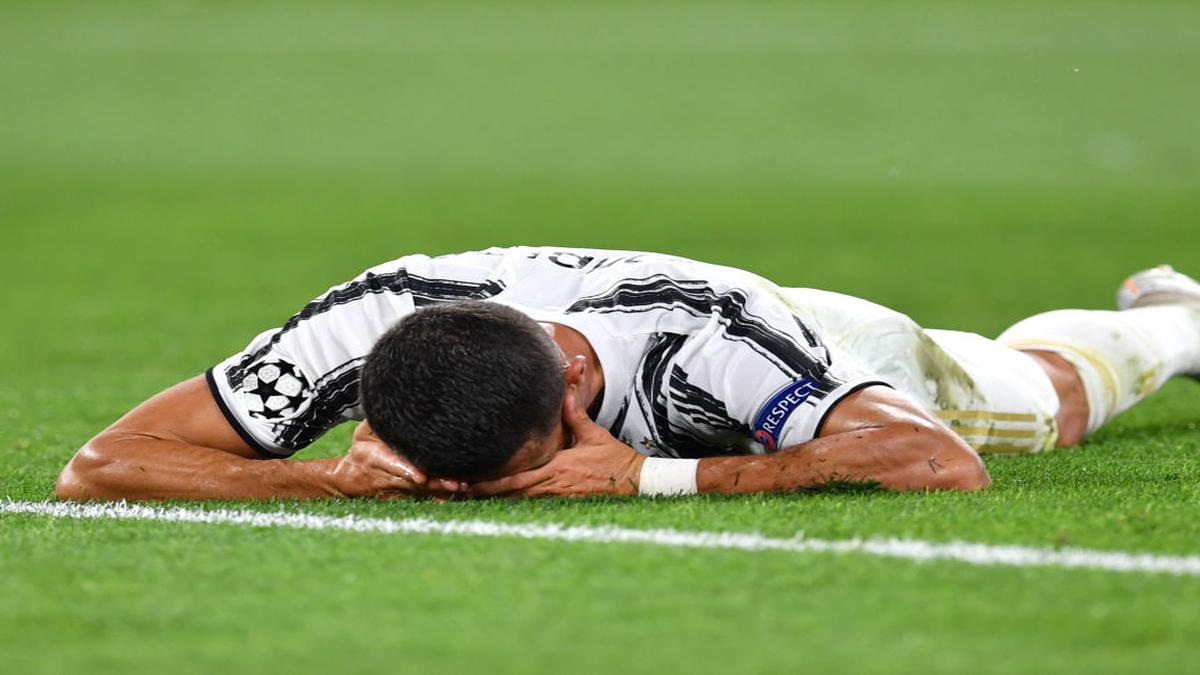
<point x="458" y="388"/>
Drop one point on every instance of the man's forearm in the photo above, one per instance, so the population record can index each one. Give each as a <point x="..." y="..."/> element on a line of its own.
<point x="895" y="458"/>
<point x="139" y="466"/>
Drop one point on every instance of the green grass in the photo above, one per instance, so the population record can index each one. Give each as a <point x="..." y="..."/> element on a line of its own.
<point x="177" y="176"/>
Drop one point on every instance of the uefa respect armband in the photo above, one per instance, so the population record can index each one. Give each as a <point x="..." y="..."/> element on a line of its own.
<point x="771" y="418"/>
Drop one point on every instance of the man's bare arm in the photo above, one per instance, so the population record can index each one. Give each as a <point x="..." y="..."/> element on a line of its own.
<point x="875" y="435"/>
<point x="179" y="445"/>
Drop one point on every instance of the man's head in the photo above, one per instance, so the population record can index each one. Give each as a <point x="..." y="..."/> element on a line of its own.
<point x="466" y="390"/>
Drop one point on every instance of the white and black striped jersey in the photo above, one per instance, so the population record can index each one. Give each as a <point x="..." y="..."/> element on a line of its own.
<point x="698" y="359"/>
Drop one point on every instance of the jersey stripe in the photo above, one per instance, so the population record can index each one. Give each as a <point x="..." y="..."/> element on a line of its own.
<point x="699" y="299"/>
<point x="619" y="421"/>
<point x="701" y="406"/>
<point x="652" y="397"/>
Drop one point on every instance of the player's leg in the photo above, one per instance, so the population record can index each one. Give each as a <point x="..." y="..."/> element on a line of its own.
<point x="1072" y="415"/>
<point x="1009" y="405"/>
<point x="997" y="399"/>
<point x="1121" y="357"/>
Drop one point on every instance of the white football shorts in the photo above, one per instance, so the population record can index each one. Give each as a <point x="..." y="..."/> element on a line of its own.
<point x="999" y="400"/>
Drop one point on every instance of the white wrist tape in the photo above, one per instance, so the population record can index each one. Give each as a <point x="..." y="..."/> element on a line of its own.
<point x="662" y="477"/>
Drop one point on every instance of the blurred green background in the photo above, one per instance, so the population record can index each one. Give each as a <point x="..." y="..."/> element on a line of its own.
<point x="946" y="158"/>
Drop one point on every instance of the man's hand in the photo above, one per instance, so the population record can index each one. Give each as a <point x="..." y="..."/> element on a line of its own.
<point x="372" y="469"/>
<point x="597" y="464"/>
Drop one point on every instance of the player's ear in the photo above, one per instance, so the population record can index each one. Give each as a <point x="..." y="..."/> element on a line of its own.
<point x="574" y="371"/>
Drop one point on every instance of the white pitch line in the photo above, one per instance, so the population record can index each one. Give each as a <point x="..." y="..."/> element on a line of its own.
<point x="907" y="549"/>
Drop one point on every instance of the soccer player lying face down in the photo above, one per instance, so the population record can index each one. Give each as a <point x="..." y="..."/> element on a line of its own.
<point x="467" y="391"/>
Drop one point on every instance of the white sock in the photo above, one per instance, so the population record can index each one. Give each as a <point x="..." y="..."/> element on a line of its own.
<point x="1122" y="357"/>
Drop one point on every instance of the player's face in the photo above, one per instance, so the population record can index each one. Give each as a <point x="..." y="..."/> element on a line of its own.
<point x="535" y="452"/>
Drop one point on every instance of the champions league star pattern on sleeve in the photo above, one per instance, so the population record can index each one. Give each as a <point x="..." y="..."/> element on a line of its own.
<point x="698" y="359"/>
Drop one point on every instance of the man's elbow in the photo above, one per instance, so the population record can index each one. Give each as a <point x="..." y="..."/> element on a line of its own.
<point x="939" y="460"/>
<point x="962" y="469"/>
<point x="969" y="476"/>
<point x="79" y="479"/>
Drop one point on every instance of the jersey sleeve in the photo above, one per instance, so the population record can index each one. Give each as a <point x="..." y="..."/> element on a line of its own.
<point x="760" y="375"/>
<point x="292" y="384"/>
<point x="279" y="397"/>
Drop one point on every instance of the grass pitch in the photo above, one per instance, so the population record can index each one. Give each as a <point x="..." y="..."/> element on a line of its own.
<point x="177" y="176"/>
